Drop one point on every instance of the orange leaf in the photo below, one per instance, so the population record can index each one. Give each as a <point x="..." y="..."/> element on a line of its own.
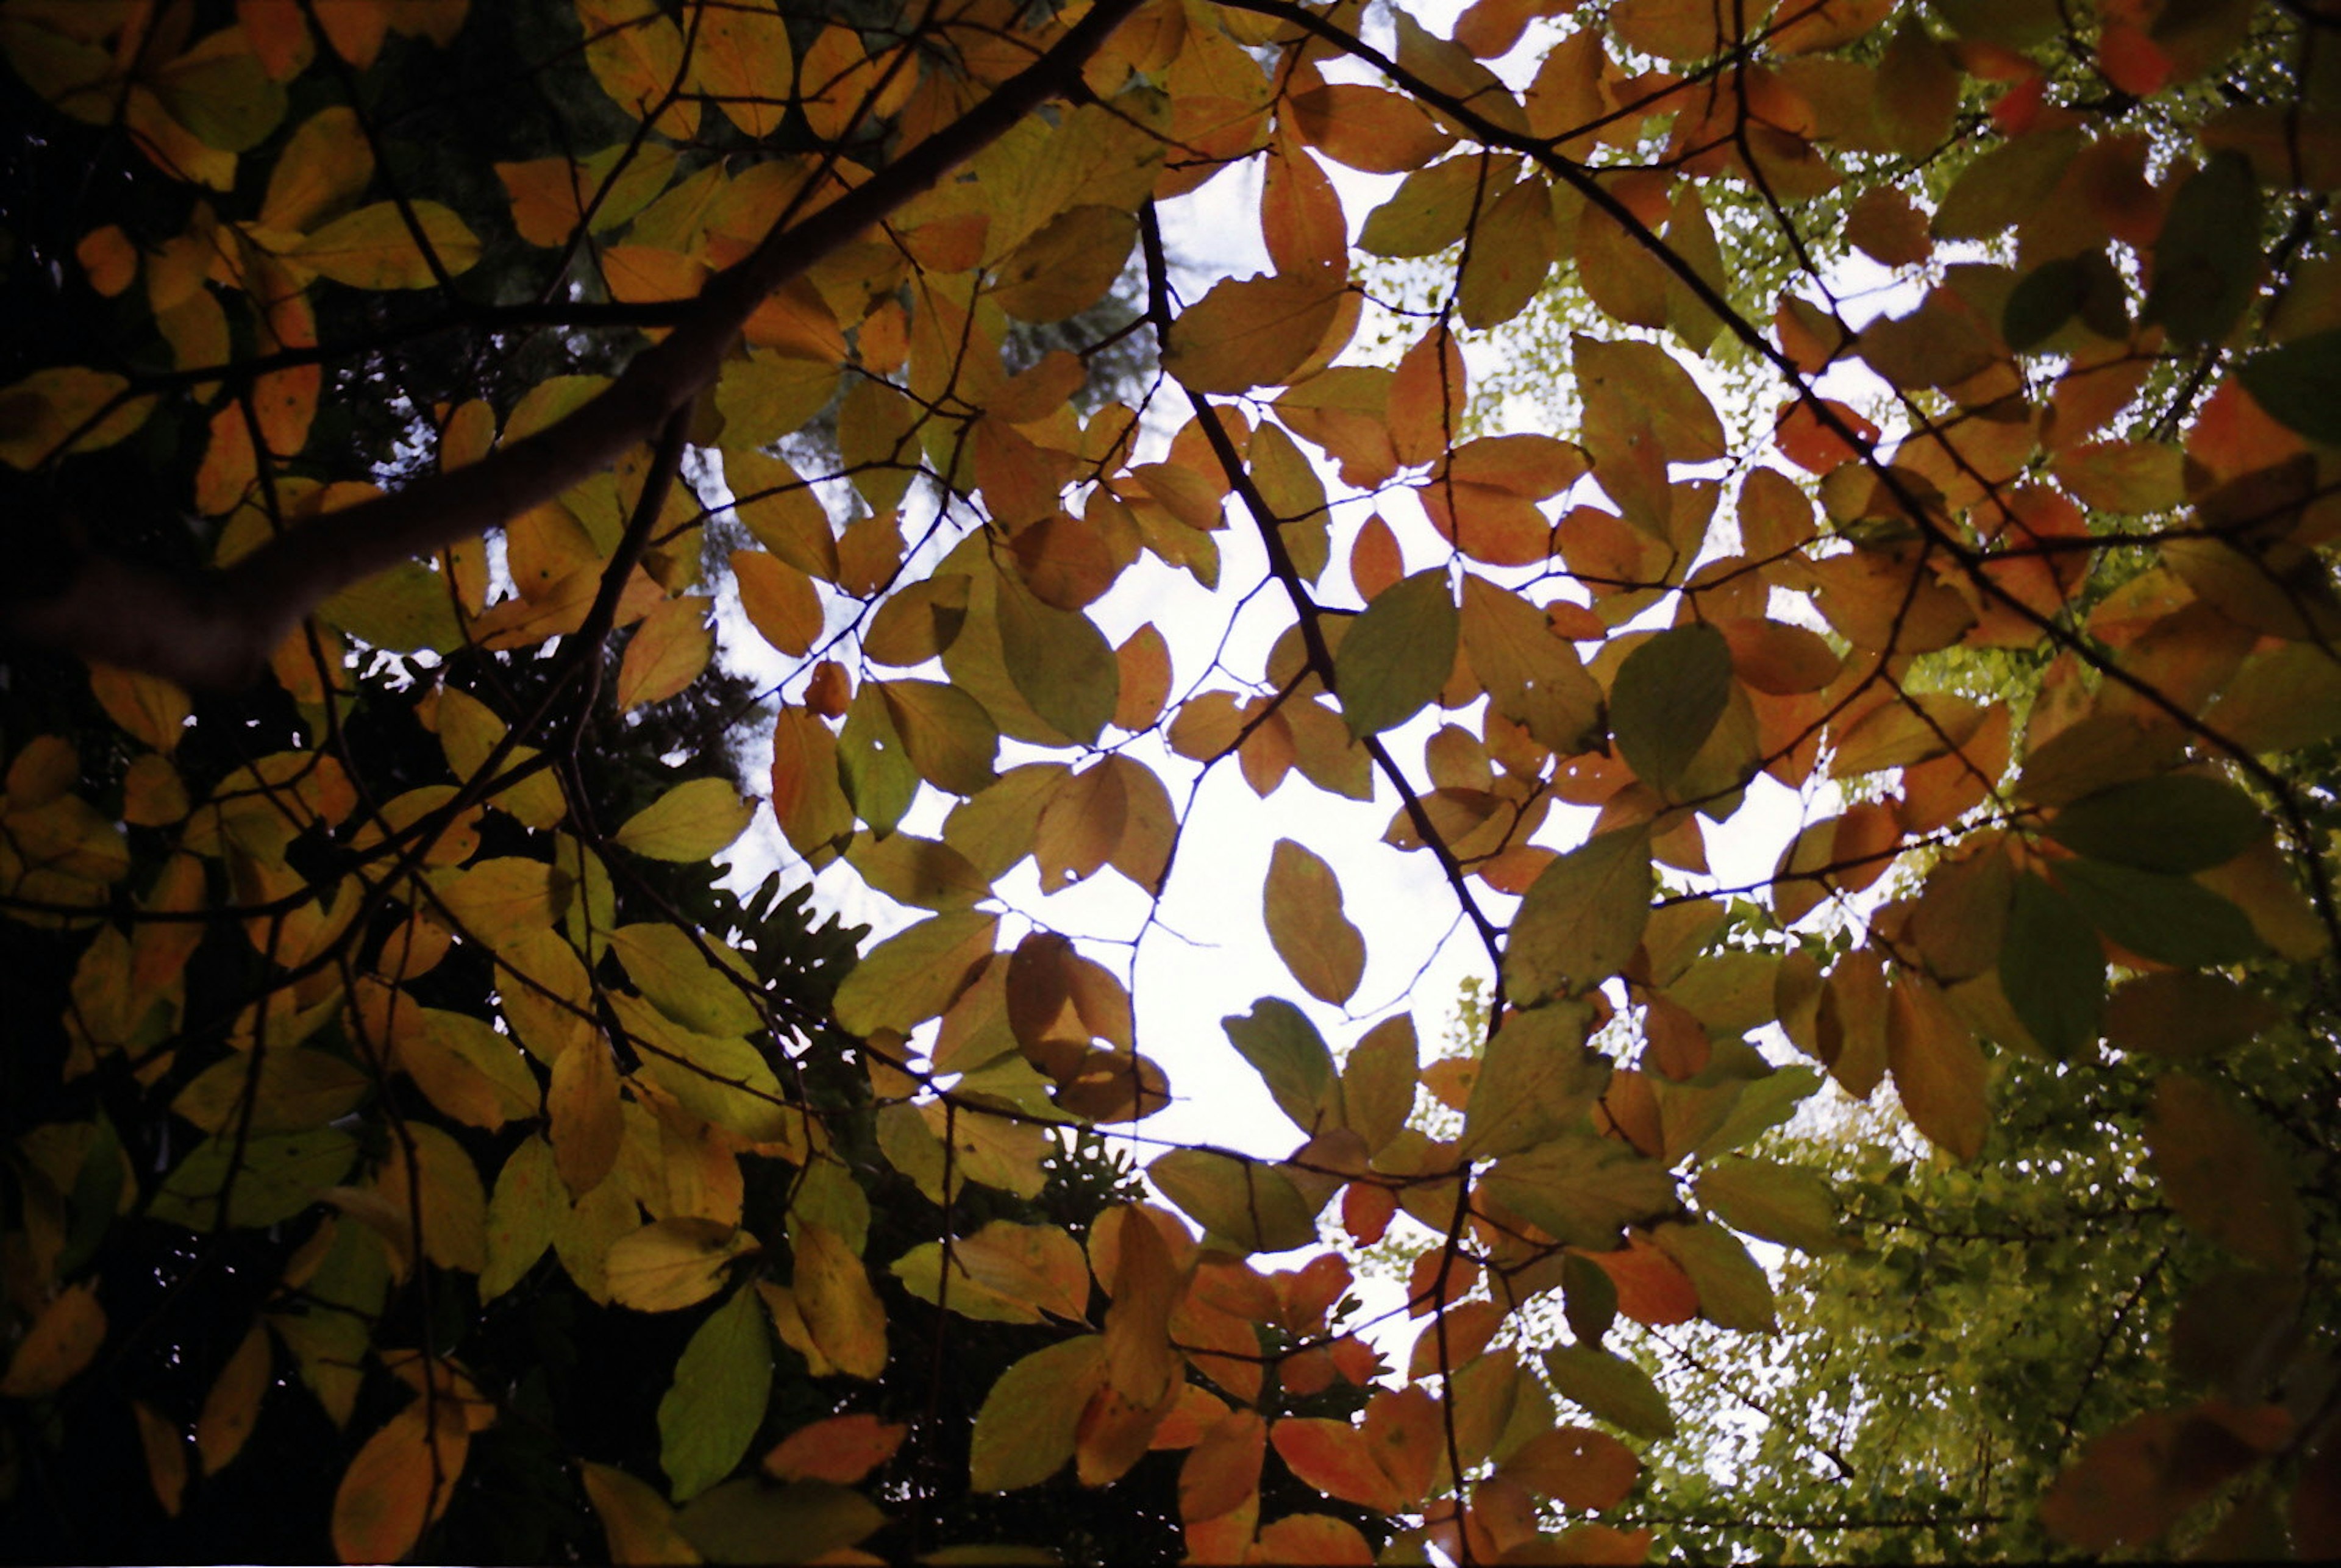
<point x="60" y="1342"/>
<point x="1814" y="446"/>
<point x="1333" y="1457"/>
<point x="1580" y="1467"/>
<point x="780" y="601"/>
<point x="1368" y="128"/>
<point x="1403" y="1433"/>
<point x="402" y="1480"/>
<point x="1223" y="1471"/>
<point x="1652" y="1289"/>
<point x="842" y="1450"/>
<point x="1254" y="331"/>
<point x="166" y="1455"/>
<point x="1311" y="1538"/>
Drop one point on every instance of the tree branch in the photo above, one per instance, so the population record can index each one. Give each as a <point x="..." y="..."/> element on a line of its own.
<point x="216" y="631"/>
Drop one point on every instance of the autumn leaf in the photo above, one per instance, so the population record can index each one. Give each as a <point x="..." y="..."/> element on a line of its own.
<point x="1305" y="925"/>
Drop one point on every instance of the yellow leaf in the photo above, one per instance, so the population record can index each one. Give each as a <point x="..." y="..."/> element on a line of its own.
<point x="807" y="798"/>
<point x="583" y="1105"/>
<point x="49" y="408"/>
<point x="500" y="901"/>
<point x="636" y="1520"/>
<point x="61" y="1342"/>
<point x="742" y="61"/>
<point x="522" y="1215"/>
<point x="841" y="1311"/>
<point x="326" y="163"/>
<point x="672" y="1264"/>
<point x="442" y="1199"/>
<point x="232" y="1406"/>
<point x="373" y="248"/>
<point x="635" y="51"/>
<point x="691" y="822"/>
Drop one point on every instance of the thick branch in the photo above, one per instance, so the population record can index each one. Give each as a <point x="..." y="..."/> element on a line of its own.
<point x="218" y="630"/>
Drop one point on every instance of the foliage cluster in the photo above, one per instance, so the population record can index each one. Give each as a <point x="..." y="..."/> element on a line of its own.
<point x="400" y="1116"/>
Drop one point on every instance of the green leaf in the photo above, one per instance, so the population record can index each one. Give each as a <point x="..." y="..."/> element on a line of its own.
<point x="1059" y="661"/>
<point x="1667" y="697"/>
<point x="1395" y="657"/>
<point x="1761" y="1106"/>
<point x="1733" y="1292"/>
<point x="1582" y="917"/>
<point x="1285" y="1049"/>
<point x="2169" y="919"/>
<point x="403" y="609"/>
<point x="2298" y="384"/>
<point x="2004" y="185"/>
<point x="1378" y="1082"/>
<point x="949" y="737"/>
<point x="279" y="1175"/>
<point x="1610" y="1388"/>
<point x="1026" y="1430"/>
<point x="2174" y="823"/>
<point x="874" y="762"/>
<point x="1588" y="1297"/>
<point x="1785" y="1204"/>
<point x="721" y="1383"/>
<point x="2208" y="259"/>
<point x="1245" y="1202"/>
<point x="1537" y="1080"/>
<point x="2051" y="969"/>
<point x="1584" y="1190"/>
<point x="2041" y="303"/>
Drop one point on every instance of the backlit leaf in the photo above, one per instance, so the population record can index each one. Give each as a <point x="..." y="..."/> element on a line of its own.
<point x="1254" y="331"/>
<point x="1059" y="661"/>
<point x="1667" y="698"/>
<point x="689" y="823"/>
<point x="1285" y="1049"/>
<point x="1537" y="1081"/>
<point x="1307" y="926"/>
<point x="1582" y="918"/>
<point x="1610" y="1388"/>
<point x="1395" y="657"/>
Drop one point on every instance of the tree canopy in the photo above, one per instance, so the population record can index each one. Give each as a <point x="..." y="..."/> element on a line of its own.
<point x="418" y="417"/>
